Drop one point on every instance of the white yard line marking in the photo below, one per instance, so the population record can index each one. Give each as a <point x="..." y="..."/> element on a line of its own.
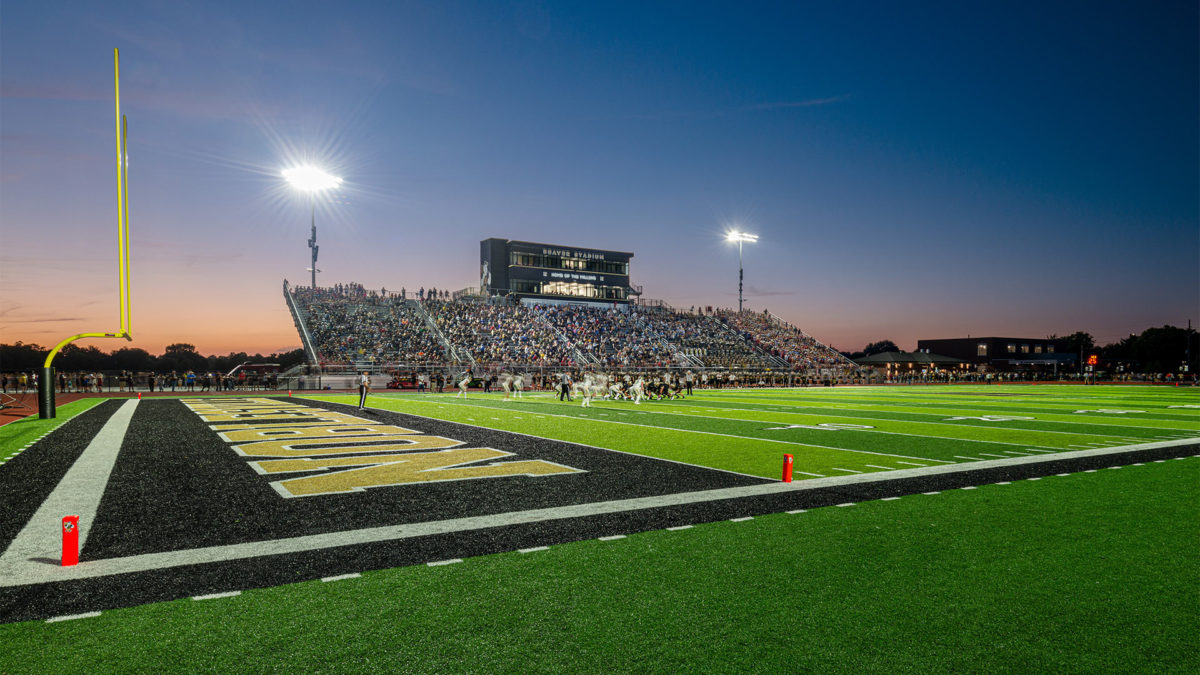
<point x="535" y="549"/>
<point x="889" y="499"/>
<point x="985" y="454"/>
<point x="793" y="512"/>
<point x="968" y="487"/>
<point x="695" y="431"/>
<point x="20" y="572"/>
<point x="341" y="577"/>
<point x="612" y="537"/>
<point x="741" y="520"/>
<point x="834" y="468"/>
<point x="973" y="459"/>
<point x="72" y="617"/>
<point x="913" y="464"/>
<point x="1014" y="452"/>
<point x="931" y="493"/>
<point x="217" y="596"/>
<point x="451" y="561"/>
<point x="683" y="527"/>
<point x="78" y="493"/>
<point x="876" y="466"/>
<point x="846" y="504"/>
<point x="818" y="475"/>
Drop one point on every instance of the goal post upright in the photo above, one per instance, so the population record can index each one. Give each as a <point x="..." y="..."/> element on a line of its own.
<point x="46" y="407"/>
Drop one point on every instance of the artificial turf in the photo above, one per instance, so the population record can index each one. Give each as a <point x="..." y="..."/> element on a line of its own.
<point x="748" y="431"/>
<point x="1089" y="572"/>
<point x="21" y="433"/>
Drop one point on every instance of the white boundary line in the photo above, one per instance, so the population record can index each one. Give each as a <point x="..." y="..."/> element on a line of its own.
<point x="24" y="572"/>
<point x="77" y="493"/>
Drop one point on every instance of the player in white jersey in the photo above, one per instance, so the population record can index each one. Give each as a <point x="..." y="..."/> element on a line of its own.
<point x="506" y="382"/>
<point x="614" y="390"/>
<point x="585" y="391"/>
<point x="519" y="385"/>
<point x="638" y="390"/>
<point x="463" y="381"/>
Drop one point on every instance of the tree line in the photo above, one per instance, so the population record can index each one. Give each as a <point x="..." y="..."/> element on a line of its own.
<point x="178" y="357"/>
<point x="1154" y="350"/>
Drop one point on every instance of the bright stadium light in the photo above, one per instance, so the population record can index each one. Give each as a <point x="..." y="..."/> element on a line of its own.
<point x="310" y="179"/>
<point x="740" y="238"/>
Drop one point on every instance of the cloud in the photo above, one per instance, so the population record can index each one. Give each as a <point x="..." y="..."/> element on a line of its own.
<point x="756" y="107"/>
<point x="762" y="292"/>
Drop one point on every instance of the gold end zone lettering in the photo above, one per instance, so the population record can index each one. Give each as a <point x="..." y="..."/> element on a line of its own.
<point x="317" y="440"/>
<point x="326" y="432"/>
<point x="406" y="469"/>
<point x="323" y="447"/>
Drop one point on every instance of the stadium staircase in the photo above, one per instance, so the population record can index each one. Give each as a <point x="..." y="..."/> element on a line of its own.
<point x="298" y="318"/>
<point x="457" y="356"/>
<point x="582" y="357"/>
<point x="830" y="350"/>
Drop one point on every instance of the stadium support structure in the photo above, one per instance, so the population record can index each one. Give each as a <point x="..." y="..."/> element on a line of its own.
<point x="298" y="318"/>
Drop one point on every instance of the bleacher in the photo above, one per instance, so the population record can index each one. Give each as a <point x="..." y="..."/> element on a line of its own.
<point x="349" y="325"/>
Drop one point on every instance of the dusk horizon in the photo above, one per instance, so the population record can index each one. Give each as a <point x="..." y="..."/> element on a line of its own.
<point x="912" y="173"/>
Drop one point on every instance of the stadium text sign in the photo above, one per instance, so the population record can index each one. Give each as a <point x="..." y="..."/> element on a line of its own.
<point x="340" y="453"/>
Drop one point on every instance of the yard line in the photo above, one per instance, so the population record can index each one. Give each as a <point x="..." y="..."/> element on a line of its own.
<point x="77" y="493"/>
<point x="444" y="562"/>
<point x="818" y="475"/>
<point x="692" y="431"/>
<point x="341" y="577"/>
<point x="985" y="454"/>
<point x="683" y="527"/>
<point x="846" y="504"/>
<point x="535" y="549"/>
<point x="1014" y="452"/>
<point x="24" y="572"/>
<point x="832" y="413"/>
<point x="973" y="459"/>
<point x="915" y="464"/>
<point x="889" y="499"/>
<point x="834" y="468"/>
<point x="968" y="487"/>
<point x="72" y="617"/>
<point x="876" y="466"/>
<point x="741" y="520"/>
<point x="792" y="512"/>
<point x="931" y="493"/>
<point x="612" y="537"/>
<point x="217" y="596"/>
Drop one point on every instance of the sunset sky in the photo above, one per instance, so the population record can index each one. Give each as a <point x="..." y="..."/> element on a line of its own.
<point x="914" y="170"/>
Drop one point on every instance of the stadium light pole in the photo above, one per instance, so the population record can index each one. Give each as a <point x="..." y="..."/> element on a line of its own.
<point x="312" y="180"/>
<point x="740" y="238"/>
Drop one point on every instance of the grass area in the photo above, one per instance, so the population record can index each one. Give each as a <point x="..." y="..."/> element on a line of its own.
<point x="19" y="434"/>
<point x="836" y="431"/>
<point x="1091" y="572"/>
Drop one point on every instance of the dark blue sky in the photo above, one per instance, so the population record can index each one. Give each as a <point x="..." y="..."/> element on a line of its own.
<point x="913" y="169"/>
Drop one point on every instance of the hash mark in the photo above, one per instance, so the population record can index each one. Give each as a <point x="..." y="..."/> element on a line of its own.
<point x="444" y="562"/>
<point x="72" y="617"/>
<point x="216" y="596"/>
<point x="340" y="577"/>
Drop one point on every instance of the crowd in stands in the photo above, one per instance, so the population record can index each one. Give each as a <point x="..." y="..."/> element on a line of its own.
<point x="349" y="324"/>
<point x="612" y="337"/>
<point x="779" y="339"/>
<point x="498" y="333"/>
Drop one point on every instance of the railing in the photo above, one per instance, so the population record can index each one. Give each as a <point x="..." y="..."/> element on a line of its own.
<point x="298" y="318"/>
<point x="451" y="350"/>
<point x="581" y="357"/>
<point x="822" y="344"/>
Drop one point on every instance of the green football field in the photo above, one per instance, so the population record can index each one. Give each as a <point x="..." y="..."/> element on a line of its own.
<point x="1087" y="571"/>
<point x="835" y="431"/>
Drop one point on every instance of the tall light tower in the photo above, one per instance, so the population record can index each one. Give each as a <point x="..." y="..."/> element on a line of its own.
<point x="312" y="180"/>
<point x="740" y="238"/>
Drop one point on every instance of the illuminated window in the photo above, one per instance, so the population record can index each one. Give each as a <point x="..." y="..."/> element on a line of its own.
<point x="1024" y="349"/>
<point x="981" y="349"/>
<point x="1037" y="349"/>
<point x="1012" y="348"/>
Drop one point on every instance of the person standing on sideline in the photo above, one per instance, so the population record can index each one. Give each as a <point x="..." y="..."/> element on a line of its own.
<point x="364" y="386"/>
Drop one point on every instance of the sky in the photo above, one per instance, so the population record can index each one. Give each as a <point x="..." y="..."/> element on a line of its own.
<point x="913" y="170"/>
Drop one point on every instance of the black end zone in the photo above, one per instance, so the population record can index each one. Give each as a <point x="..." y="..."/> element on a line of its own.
<point x="178" y="486"/>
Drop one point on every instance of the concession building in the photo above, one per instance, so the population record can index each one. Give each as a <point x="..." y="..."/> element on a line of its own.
<point x="554" y="274"/>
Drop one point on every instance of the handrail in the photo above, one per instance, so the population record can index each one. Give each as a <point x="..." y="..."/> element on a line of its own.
<point x="305" y="336"/>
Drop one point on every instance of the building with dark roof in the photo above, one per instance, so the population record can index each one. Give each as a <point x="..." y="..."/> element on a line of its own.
<point x="555" y="274"/>
<point x="1004" y="353"/>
